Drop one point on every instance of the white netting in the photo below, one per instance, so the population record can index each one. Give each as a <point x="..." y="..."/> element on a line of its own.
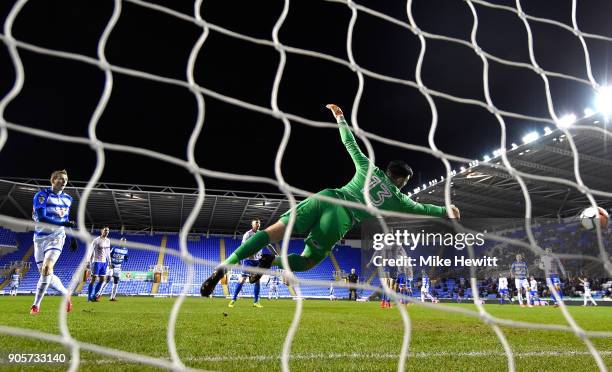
<point x="176" y="289"/>
<point x="199" y="92"/>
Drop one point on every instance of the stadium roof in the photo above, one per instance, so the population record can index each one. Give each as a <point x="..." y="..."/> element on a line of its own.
<point x="157" y="208"/>
<point x="479" y="191"/>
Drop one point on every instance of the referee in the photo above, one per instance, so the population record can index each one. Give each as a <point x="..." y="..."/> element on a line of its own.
<point x="353" y="279"/>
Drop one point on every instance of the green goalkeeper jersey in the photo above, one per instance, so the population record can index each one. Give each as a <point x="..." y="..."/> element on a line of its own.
<point x="383" y="193"/>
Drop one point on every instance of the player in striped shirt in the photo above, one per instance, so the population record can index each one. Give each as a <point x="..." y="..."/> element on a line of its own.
<point x="118" y="255"/>
<point x="323" y="222"/>
<point x="51" y="206"/>
<point x="409" y="281"/>
<point x="99" y="260"/>
<point x="425" y="288"/>
<point x="520" y="272"/>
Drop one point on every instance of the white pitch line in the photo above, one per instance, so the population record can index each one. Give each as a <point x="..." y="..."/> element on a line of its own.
<point x="424" y="354"/>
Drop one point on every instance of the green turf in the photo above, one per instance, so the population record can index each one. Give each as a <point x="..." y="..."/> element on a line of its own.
<point x="339" y="335"/>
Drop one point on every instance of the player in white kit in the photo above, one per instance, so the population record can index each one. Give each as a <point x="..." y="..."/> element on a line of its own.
<point x="118" y="255"/>
<point x="587" y="291"/>
<point x="533" y="291"/>
<point x="425" y="288"/>
<point x="99" y="260"/>
<point x="15" y="279"/>
<point x="519" y="272"/>
<point x="251" y="261"/>
<point x="502" y="289"/>
<point x="272" y="284"/>
<point x="51" y="206"/>
<point x="332" y="297"/>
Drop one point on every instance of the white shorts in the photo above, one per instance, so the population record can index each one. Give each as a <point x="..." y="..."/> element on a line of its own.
<point x="49" y="248"/>
<point x="115" y="272"/>
<point x="521" y="283"/>
<point x="425" y="289"/>
<point x="587" y="293"/>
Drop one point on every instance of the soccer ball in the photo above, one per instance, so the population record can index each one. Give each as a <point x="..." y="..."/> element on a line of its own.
<point x="588" y="218"/>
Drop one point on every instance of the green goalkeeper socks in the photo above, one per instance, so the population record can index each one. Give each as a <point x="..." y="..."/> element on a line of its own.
<point x="253" y="245"/>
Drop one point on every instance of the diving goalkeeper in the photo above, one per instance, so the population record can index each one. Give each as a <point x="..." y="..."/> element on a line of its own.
<point x="325" y="223"/>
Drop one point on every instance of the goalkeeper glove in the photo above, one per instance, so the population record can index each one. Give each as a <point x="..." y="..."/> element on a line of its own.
<point x="73" y="245"/>
<point x="336" y="111"/>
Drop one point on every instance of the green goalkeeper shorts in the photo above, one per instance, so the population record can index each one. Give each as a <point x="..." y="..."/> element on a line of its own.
<point x="324" y="223"/>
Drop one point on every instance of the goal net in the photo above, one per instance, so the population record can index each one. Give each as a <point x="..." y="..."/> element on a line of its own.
<point x="485" y="63"/>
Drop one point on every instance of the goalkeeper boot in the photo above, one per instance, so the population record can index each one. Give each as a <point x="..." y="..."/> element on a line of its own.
<point x="265" y="262"/>
<point x="209" y="284"/>
<point x="232" y="303"/>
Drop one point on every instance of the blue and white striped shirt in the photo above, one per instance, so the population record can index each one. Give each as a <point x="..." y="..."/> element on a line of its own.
<point x="56" y="207"/>
<point x="519" y="269"/>
<point x="118" y="255"/>
<point x="425" y="282"/>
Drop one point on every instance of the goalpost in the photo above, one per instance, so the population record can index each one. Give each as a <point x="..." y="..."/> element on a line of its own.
<point x="287" y="120"/>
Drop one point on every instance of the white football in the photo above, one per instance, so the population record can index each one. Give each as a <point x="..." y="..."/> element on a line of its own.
<point x="589" y="217"/>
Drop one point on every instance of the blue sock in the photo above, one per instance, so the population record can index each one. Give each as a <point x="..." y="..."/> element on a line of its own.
<point x="90" y="289"/>
<point x="98" y="285"/>
<point x="256" y="291"/>
<point x="236" y="291"/>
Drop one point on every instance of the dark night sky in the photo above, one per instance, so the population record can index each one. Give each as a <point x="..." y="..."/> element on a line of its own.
<point x="61" y="95"/>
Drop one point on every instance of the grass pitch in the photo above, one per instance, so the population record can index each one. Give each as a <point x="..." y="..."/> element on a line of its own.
<point x="339" y="335"/>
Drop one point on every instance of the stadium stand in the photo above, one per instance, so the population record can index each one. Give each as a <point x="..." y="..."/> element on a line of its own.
<point x="205" y="248"/>
<point x="214" y="248"/>
<point x="8" y="238"/>
<point x="11" y="259"/>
